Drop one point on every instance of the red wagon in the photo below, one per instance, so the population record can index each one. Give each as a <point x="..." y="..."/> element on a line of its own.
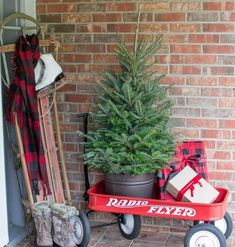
<point x="212" y="225"/>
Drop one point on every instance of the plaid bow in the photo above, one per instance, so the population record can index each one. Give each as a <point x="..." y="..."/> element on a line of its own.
<point x="22" y="100"/>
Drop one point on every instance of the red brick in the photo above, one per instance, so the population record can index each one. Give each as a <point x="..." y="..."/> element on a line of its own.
<point x="132" y="17"/>
<point x="219" y="70"/>
<point x="217" y="113"/>
<point x="218" y="27"/>
<point x="200" y="59"/>
<point x="91" y="7"/>
<point x="79" y="98"/>
<point x="202" y="16"/>
<point x="226" y="145"/>
<point x="203" y="38"/>
<point x="226" y="81"/>
<point x="227" y="38"/>
<point x="174" y="38"/>
<point x="41" y="8"/>
<point x="200" y="102"/>
<point x="185" y="6"/>
<point x="111" y="48"/>
<point x="170" y="17"/>
<point x="123" y="28"/>
<point x="218" y="49"/>
<point x="90" y="48"/>
<point x="61" y="8"/>
<point x="201" y="123"/>
<point x="222" y="176"/>
<point x="216" y="134"/>
<point x="69" y="147"/>
<point x="155" y="7"/>
<point x="216" y="92"/>
<point x="177" y="59"/>
<point x="121" y="7"/>
<point x="225" y="165"/>
<point x="227" y="16"/>
<point x="185" y="28"/>
<point x="47" y="1"/>
<point x="222" y="155"/>
<point x="207" y="81"/>
<point x="107" y="58"/>
<point x="210" y="144"/>
<point x="106" y="17"/>
<point x="75" y="18"/>
<point x="156" y="27"/>
<point x="227" y="124"/>
<point x="68" y="88"/>
<point x="218" y="6"/>
<point x="179" y="48"/>
<point x="77" y="58"/>
<point x="184" y="91"/>
<point x="187" y="133"/>
<point x="76" y="1"/>
<point x="162" y="59"/>
<point x="69" y="68"/>
<point x="68" y="48"/>
<point x="68" y="127"/>
<point x="185" y="70"/>
<point x="185" y="112"/>
<point x="169" y="80"/>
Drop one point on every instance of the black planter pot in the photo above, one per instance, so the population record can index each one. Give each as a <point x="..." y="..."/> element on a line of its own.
<point x="129" y="185"/>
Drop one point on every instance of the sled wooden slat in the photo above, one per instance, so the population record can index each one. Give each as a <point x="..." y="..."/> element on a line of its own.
<point x="51" y="149"/>
<point x="61" y="155"/>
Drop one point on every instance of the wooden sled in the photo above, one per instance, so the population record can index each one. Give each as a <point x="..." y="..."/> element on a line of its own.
<point x="51" y="135"/>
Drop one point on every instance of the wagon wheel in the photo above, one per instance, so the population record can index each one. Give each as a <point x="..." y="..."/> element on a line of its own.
<point x="204" y="235"/>
<point x="81" y="233"/>
<point x="225" y="224"/>
<point x="129" y="225"/>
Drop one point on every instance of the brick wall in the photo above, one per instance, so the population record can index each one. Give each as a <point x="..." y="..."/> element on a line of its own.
<point x="197" y="56"/>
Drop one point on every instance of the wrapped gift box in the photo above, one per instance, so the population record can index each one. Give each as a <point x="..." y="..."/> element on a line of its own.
<point x="187" y="153"/>
<point x="188" y="185"/>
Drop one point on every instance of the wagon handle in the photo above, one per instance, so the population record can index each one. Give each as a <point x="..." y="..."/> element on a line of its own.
<point x="85" y="116"/>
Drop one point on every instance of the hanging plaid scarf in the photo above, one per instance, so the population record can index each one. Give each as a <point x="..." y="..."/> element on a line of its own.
<point x="23" y="102"/>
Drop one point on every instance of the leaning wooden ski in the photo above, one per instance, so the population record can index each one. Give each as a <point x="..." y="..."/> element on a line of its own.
<point x="50" y="146"/>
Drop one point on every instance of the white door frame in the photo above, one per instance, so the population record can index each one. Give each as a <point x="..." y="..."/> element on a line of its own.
<point x="27" y="7"/>
<point x="4" y="236"/>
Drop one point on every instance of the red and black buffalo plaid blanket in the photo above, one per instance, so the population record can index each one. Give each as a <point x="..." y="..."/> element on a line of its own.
<point x="23" y="101"/>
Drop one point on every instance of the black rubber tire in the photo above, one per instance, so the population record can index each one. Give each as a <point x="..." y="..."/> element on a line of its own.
<point x="86" y="229"/>
<point x="228" y="221"/>
<point x="136" y="227"/>
<point x="208" y="228"/>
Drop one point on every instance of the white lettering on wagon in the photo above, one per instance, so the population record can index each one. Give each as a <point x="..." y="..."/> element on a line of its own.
<point x="153" y="209"/>
<point x="125" y="203"/>
<point x="167" y="210"/>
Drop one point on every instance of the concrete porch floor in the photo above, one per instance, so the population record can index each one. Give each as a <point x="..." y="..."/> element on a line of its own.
<point x="110" y="237"/>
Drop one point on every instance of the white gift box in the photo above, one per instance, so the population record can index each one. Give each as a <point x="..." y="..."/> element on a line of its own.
<point x="187" y="185"/>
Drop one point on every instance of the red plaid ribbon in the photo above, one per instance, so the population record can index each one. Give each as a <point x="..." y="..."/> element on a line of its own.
<point x="23" y="100"/>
